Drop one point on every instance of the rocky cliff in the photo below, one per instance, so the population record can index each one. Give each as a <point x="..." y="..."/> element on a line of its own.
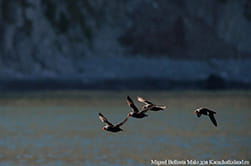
<point x="92" y="40"/>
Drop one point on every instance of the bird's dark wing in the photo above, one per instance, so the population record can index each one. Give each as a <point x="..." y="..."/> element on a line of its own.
<point x="131" y="104"/>
<point x="144" y="111"/>
<point x="212" y="118"/>
<point x="142" y="100"/>
<point x="104" y="120"/>
<point x="158" y="108"/>
<point x="121" y="123"/>
<point x="206" y="111"/>
<point x="211" y="112"/>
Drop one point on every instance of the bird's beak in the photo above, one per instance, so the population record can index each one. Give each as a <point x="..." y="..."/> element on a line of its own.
<point x="195" y="112"/>
<point x="103" y="128"/>
<point x="128" y="115"/>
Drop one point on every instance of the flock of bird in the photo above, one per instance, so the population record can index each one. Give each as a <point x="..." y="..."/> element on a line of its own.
<point x="148" y="106"/>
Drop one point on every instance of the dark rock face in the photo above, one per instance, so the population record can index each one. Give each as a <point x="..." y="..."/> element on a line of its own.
<point x="162" y="32"/>
<point x="173" y="29"/>
<point x="55" y="39"/>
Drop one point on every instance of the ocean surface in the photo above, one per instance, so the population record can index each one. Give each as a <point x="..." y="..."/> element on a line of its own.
<point x="61" y="128"/>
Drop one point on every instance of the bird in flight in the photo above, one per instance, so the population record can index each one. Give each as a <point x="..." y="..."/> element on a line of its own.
<point x="134" y="110"/>
<point x="109" y="126"/>
<point x="149" y="105"/>
<point x="204" y="111"/>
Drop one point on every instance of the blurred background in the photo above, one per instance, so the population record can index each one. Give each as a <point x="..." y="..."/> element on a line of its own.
<point x="133" y="44"/>
<point x="64" y="61"/>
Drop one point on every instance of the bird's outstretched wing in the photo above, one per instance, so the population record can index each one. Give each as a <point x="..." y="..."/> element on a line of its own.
<point x="212" y="118"/>
<point x="104" y="120"/>
<point x="206" y="111"/>
<point x="142" y="100"/>
<point x="121" y="123"/>
<point x="158" y="108"/>
<point x="131" y="104"/>
<point x="211" y="112"/>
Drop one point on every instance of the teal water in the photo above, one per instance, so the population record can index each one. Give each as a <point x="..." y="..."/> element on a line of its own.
<point x="46" y="129"/>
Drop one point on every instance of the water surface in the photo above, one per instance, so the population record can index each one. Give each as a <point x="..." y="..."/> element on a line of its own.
<point x="62" y="128"/>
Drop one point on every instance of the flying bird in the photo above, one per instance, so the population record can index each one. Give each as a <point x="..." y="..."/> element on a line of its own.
<point x="204" y="111"/>
<point x="109" y="126"/>
<point x="134" y="110"/>
<point x="149" y="105"/>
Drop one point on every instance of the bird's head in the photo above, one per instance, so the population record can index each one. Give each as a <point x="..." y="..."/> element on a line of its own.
<point x="197" y="111"/>
<point x="104" y="128"/>
<point x="146" y="107"/>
